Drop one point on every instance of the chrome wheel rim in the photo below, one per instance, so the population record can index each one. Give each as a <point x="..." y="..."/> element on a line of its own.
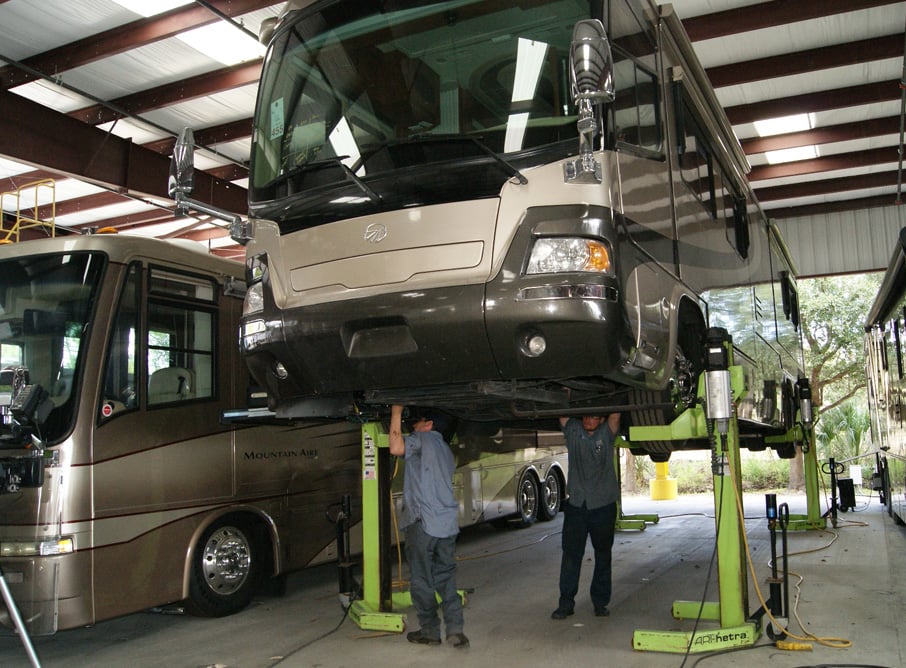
<point x="226" y="560"/>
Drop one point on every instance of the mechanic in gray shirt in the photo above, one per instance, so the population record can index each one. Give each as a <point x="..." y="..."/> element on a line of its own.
<point x="430" y="520"/>
<point x="591" y="509"/>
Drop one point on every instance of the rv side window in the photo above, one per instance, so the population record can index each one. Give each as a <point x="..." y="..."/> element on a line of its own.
<point x="790" y="299"/>
<point x="738" y="226"/>
<point x="171" y="284"/>
<point x="180" y="338"/>
<point x="695" y="158"/>
<point x="636" y="116"/>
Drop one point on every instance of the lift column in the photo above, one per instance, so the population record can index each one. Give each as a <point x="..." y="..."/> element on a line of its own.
<point x="803" y="434"/>
<point x="723" y="385"/>
<point x="375" y="610"/>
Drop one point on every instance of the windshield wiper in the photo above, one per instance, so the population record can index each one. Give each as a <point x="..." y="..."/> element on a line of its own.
<point x="507" y="167"/>
<point x="321" y="164"/>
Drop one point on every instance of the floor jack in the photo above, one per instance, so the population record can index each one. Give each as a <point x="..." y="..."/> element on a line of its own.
<point x="723" y="385"/>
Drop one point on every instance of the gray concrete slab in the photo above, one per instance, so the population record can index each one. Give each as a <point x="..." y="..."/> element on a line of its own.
<point x="851" y="589"/>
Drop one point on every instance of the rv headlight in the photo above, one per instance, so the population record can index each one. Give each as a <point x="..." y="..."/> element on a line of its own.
<point x="552" y="255"/>
<point x="36" y="548"/>
<point x="254" y="299"/>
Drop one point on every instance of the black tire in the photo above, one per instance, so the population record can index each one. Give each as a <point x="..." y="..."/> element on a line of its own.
<point x="527" y="499"/>
<point x="226" y="567"/>
<point x="551" y="496"/>
<point x="679" y="395"/>
<point x="786" y="451"/>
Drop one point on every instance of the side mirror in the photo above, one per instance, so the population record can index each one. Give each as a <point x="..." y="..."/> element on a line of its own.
<point x="267" y="28"/>
<point x="591" y="80"/>
<point x="182" y="180"/>
<point x="591" y="63"/>
<point x="182" y="170"/>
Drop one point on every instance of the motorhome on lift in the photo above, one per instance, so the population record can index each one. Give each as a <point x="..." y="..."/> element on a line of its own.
<point x="120" y="486"/>
<point x="510" y="209"/>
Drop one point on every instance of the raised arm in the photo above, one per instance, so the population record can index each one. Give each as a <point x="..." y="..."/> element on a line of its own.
<point x="397" y="444"/>
<point x="613" y="421"/>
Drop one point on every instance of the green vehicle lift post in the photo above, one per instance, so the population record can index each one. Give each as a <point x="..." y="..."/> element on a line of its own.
<point x="804" y="433"/>
<point x="375" y="610"/>
<point x="731" y="610"/>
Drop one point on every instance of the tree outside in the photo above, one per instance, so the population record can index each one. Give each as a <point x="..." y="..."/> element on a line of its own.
<point x="834" y="310"/>
<point x="844" y="432"/>
<point x="833" y="315"/>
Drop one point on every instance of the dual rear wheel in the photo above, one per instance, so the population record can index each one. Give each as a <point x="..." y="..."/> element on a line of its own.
<point x="537" y="500"/>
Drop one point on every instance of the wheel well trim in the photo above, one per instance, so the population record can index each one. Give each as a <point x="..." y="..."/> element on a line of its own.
<point x="256" y="515"/>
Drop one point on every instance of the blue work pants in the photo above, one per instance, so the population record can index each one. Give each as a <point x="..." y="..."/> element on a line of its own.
<point x="432" y="568"/>
<point x="578" y="525"/>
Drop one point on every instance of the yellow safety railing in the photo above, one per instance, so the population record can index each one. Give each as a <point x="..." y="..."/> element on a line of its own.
<point x="28" y="217"/>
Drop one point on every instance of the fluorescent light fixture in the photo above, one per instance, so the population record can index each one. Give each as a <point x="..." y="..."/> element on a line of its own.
<point x="791" y="154"/>
<point x="223" y="42"/>
<point x="784" y="125"/>
<point x="515" y="131"/>
<point x="529" y="59"/>
<point x="146" y="8"/>
<point x="343" y="142"/>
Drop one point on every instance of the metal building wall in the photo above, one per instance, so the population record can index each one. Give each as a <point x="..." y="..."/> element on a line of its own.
<point x="849" y="242"/>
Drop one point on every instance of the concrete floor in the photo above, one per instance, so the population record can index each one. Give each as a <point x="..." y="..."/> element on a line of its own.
<point x="850" y="590"/>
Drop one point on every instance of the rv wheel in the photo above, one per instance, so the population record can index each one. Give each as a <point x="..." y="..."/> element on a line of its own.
<point x="551" y="496"/>
<point x="527" y="499"/>
<point x="225" y="568"/>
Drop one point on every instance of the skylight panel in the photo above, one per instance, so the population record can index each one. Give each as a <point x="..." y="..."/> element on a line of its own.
<point x="785" y="125"/>
<point x="791" y="154"/>
<point x="146" y="8"/>
<point x="224" y="43"/>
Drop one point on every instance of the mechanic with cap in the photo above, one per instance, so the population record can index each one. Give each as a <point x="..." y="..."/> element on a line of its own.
<point x="429" y="519"/>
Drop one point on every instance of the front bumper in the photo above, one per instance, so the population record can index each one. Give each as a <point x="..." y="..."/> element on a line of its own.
<point x="49" y="592"/>
<point x="419" y="342"/>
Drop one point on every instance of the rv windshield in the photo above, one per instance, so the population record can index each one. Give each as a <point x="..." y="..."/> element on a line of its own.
<point x="356" y="100"/>
<point x="45" y="314"/>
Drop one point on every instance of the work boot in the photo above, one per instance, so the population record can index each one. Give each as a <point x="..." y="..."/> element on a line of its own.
<point x="561" y="613"/>
<point x="458" y="640"/>
<point x="420" y="638"/>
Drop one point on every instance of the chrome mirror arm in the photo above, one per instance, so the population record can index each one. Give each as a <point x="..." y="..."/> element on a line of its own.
<point x="182" y="180"/>
<point x="591" y="78"/>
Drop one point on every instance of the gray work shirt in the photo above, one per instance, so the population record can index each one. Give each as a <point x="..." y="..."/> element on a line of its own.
<point x="592" y="478"/>
<point x="428" y="485"/>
